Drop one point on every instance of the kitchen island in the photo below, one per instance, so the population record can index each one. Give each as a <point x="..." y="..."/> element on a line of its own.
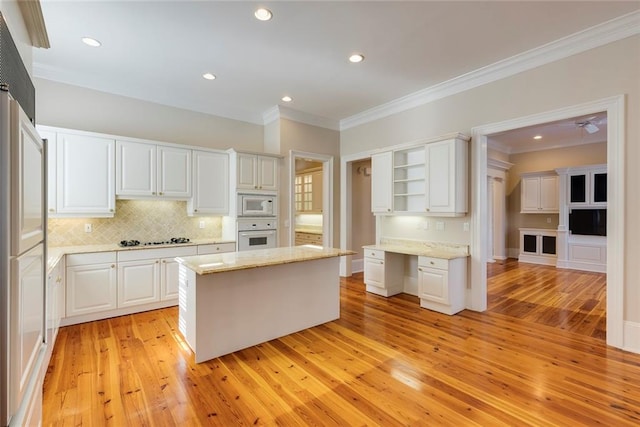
<point x="236" y="300"/>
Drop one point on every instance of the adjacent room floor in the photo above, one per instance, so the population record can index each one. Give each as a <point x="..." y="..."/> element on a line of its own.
<point x="567" y="299"/>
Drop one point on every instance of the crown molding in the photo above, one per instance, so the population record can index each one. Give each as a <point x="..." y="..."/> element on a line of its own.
<point x="607" y="32"/>
<point x="34" y="21"/>
<point x="280" y="112"/>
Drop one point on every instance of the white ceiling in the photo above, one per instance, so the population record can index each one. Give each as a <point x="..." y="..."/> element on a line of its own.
<point x="561" y="133"/>
<point x="158" y="50"/>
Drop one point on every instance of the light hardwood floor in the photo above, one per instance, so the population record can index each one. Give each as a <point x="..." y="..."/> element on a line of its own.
<point x="384" y="362"/>
<point x="567" y="299"/>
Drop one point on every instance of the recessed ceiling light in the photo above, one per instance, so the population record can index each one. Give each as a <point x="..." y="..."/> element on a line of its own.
<point x="209" y="76"/>
<point x="287" y="98"/>
<point x="356" y="57"/>
<point x="91" y="42"/>
<point x="537" y="137"/>
<point x="263" y="14"/>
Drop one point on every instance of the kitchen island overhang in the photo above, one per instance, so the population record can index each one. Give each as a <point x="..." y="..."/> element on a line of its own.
<point x="232" y="301"/>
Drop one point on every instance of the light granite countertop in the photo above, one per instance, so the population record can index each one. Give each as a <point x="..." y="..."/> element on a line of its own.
<point x="309" y="230"/>
<point x="55" y="253"/>
<point x="219" y="263"/>
<point x="421" y="248"/>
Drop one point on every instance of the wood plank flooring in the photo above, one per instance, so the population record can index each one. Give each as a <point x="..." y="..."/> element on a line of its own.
<point x="385" y="362"/>
<point x="567" y="299"/>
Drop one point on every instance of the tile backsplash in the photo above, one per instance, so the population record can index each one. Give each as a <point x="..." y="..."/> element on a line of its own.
<point x="144" y="220"/>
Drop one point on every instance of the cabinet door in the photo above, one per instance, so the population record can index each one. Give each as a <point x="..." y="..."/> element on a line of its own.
<point x="51" y="169"/>
<point x="374" y="272"/>
<point x="529" y="243"/>
<point x="174" y="172"/>
<point x="169" y="279"/>
<point x="446" y="177"/>
<point x="138" y="282"/>
<point x="433" y="285"/>
<point x="90" y="288"/>
<point x="27" y="199"/>
<point x="27" y="318"/>
<point x="247" y="169"/>
<point x="381" y="182"/>
<point x="530" y="195"/>
<point x="267" y="173"/>
<point x="599" y="187"/>
<point x="86" y="175"/>
<point x="210" y="184"/>
<point x="578" y="189"/>
<point x="316" y="182"/>
<point x="549" y="196"/>
<point x="135" y="169"/>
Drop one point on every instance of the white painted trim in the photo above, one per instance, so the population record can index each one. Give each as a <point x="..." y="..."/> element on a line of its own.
<point x="345" y="206"/>
<point x="499" y="165"/>
<point x="280" y="112"/>
<point x="632" y="336"/>
<point x="537" y="259"/>
<point x="615" y="108"/>
<point x="582" y="266"/>
<point x="599" y="35"/>
<point x="327" y="194"/>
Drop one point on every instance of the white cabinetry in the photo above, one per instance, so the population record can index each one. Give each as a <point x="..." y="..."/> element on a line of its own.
<point x="84" y="184"/>
<point x="428" y="179"/>
<point x="216" y="248"/>
<point x="538" y="246"/>
<point x="210" y="184"/>
<point x="256" y="172"/>
<point x="447" y="176"/>
<point x="381" y="182"/>
<point x="383" y="272"/>
<point x="587" y="186"/>
<point x="539" y="193"/>
<point x="138" y="282"/>
<point x="308" y="192"/>
<point x="442" y="284"/>
<point x="91" y="283"/>
<point x="55" y="304"/>
<point x="149" y="170"/>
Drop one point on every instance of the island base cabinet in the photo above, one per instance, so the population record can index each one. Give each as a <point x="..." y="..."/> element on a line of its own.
<point x="442" y="284"/>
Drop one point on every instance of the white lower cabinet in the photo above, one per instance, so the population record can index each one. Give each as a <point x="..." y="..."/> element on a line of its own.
<point x="383" y="272"/>
<point x="91" y="283"/>
<point x="169" y="279"/>
<point x="138" y="282"/>
<point x="538" y="246"/>
<point x="442" y="284"/>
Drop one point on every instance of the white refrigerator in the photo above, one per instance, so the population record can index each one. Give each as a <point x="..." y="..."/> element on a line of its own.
<point x="22" y="265"/>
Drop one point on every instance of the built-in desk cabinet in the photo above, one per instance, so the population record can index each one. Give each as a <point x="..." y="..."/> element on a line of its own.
<point x="383" y="272"/>
<point x="538" y="246"/>
<point x="442" y="284"/>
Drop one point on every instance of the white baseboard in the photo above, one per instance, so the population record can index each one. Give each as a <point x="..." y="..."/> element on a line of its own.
<point x="631" y="336"/>
<point x="582" y="266"/>
<point x="537" y="259"/>
<point x="357" y="265"/>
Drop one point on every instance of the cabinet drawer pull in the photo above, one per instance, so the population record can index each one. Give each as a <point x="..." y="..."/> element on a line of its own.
<point x="420" y="269"/>
<point x="164" y="261"/>
<point x="113" y="266"/>
<point x="110" y="210"/>
<point x="153" y="193"/>
<point x="157" y="261"/>
<point x="432" y="263"/>
<point x="381" y="262"/>
<point x="161" y="193"/>
<point x="52" y="210"/>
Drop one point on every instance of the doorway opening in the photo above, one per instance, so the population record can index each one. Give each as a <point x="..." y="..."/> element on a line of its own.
<point x="311" y="199"/>
<point x="614" y="109"/>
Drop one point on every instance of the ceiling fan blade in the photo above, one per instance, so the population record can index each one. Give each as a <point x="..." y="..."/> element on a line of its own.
<point x="591" y="128"/>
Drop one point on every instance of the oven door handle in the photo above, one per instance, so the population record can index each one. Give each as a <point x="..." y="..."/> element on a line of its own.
<point x="257" y="233"/>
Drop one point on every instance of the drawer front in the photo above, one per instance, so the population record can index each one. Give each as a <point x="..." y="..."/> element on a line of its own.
<point x="91" y="258"/>
<point x="426" y="261"/>
<point x="142" y="254"/>
<point x="216" y="248"/>
<point x="374" y="253"/>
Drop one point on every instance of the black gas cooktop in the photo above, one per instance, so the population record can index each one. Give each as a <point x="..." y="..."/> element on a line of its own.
<point x="172" y="241"/>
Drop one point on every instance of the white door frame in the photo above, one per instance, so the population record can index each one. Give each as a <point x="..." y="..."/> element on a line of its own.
<point x="615" y="108"/>
<point x="327" y="194"/>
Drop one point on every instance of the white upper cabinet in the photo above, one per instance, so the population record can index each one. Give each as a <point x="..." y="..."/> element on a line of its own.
<point x="447" y="177"/>
<point x="85" y="176"/>
<point x="149" y="170"/>
<point x="587" y="186"/>
<point x="256" y="172"/>
<point x="539" y="193"/>
<point x="381" y="182"/>
<point x="210" y="184"/>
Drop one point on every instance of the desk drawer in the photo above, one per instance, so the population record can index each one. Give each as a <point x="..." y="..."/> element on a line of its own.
<point x="374" y="253"/>
<point x="426" y="261"/>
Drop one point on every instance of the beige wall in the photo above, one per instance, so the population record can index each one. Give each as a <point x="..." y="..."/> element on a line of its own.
<point x="62" y="105"/>
<point x="599" y="73"/>
<point x="538" y="161"/>
<point x="363" y="224"/>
